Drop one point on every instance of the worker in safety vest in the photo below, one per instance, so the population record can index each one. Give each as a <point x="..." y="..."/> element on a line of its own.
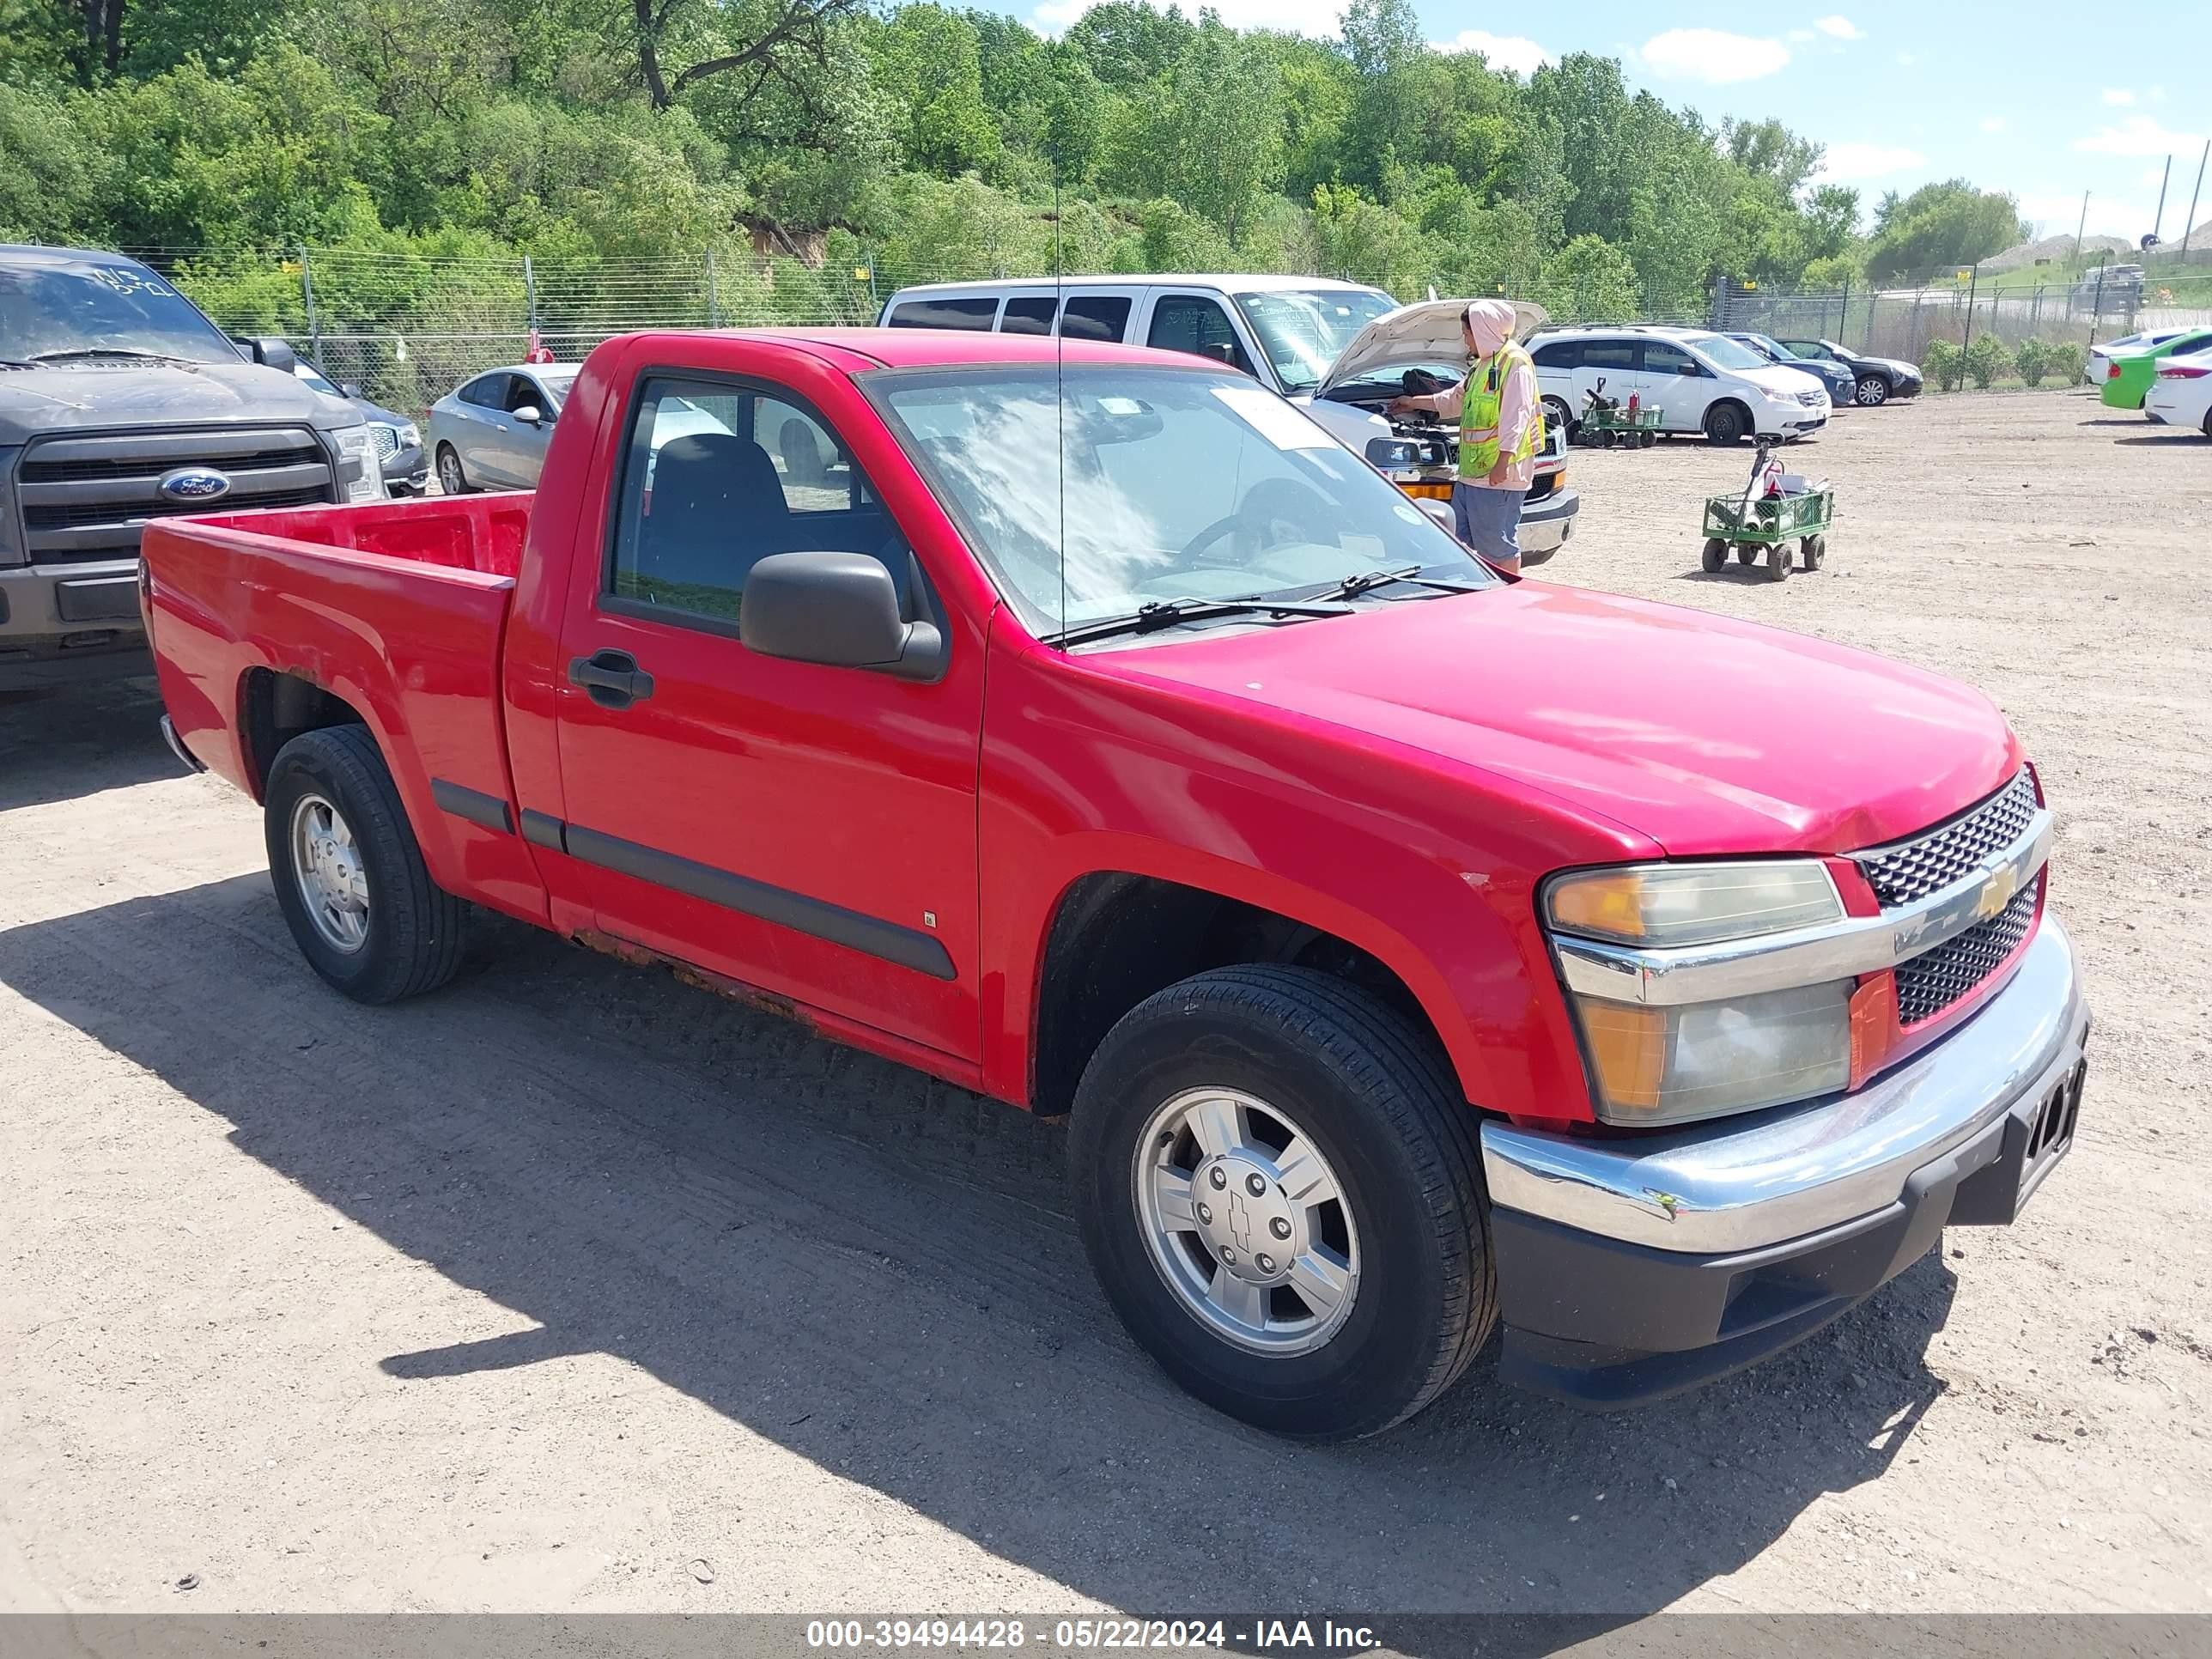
<point x="1501" y="428"/>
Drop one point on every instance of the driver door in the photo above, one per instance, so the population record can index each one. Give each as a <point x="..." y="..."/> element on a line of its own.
<point x="806" y="830"/>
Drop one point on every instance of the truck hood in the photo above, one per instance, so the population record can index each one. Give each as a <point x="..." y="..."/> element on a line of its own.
<point x="1426" y="332"/>
<point x="1704" y="735"/>
<point x="41" y="402"/>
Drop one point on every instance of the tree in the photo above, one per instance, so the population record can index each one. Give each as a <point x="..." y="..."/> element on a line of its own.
<point x="1126" y="44"/>
<point x="1939" y="227"/>
<point x="1770" y="150"/>
<point x="1589" y="278"/>
<point x="927" y="62"/>
<point x="1207" y="133"/>
<point x="758" y="43"/>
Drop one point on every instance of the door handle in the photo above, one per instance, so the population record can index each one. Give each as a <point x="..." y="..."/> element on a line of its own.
<point x="612" y="678"/>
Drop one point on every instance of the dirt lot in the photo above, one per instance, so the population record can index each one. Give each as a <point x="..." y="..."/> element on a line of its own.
<point x="573" y="1288"/>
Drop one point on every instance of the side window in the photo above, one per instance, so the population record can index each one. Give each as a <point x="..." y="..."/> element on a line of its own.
<point x="943" y="314"/>
<point x="1560" y="354"/>
<point x="1614" y="356"/>
<point x="1029" y="314"/>
<point x="1183" y="322"/>
<point x="716" y="477"/>
<point x="487" y="391"/>
<point x="1661" y="358"/>
<point x="522" y="392"/>
<point x="1095" y="317"/>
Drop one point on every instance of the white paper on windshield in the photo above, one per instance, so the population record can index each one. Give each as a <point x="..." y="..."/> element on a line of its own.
<point x="1273" y="419"/>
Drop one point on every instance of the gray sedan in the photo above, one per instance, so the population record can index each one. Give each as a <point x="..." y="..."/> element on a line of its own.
<point x="490" y="433"/>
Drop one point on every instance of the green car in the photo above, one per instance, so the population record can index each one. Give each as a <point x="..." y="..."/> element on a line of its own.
<point x="2128" y="374"/>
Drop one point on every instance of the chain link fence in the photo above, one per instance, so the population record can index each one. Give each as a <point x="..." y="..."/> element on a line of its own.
<point x="1901" y="322"/>
<point x="406" y="328"/>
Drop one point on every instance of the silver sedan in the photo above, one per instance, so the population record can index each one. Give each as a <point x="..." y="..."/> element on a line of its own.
<point x="491" y="432"/>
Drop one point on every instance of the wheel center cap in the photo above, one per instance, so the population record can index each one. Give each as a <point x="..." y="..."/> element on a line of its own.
<point x="1245" y="1218"/>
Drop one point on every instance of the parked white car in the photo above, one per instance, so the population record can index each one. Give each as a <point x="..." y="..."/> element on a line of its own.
<point x="2181" y="395"/>
<point x="2100" y="357"/>
<point x="1702" y="382"/>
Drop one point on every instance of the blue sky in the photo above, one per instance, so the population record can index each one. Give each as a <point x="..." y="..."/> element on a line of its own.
<point x="2035" y="98"/>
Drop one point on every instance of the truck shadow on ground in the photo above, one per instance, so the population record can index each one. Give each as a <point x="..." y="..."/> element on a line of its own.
<point x="877" y="1273"/>
<point x="58" y="745"/>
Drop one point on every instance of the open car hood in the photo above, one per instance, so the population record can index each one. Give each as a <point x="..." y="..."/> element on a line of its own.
<point x="1426" y="332"/>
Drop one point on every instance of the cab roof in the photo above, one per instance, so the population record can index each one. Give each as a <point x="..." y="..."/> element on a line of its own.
<point x="858" y="349"/>
<point x="1234" y="283"/>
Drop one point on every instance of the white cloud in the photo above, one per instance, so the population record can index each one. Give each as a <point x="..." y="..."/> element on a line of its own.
<point x="2059" y="215"/>
<point x="1799" y="37"/>
<point x="1841" y="28"/>
<point x="1846" y="161"/>
<point x="1908" y="59"/>
<point x="1516" y="52"/>
<point x="2119" y="96"/>
<point x="2139" y="135"/>
<point x="1712" y="56"/>
<point x="1316" y="19"/>
<point x="1994" y="123"/>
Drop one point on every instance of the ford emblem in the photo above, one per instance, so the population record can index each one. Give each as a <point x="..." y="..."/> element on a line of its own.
<point x="194" y="483"/>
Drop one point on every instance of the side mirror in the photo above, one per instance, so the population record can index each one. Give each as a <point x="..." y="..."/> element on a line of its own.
<point x="349" y="388"/>
<point x="529" y="415"/>
<point x="840" y="609"/>
<point x="1220" y="351"/>
<point x="273" y="353"/>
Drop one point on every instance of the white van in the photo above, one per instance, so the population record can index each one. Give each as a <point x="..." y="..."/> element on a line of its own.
<point x="1320" y="343"/>
<point x="1700" y="381"/>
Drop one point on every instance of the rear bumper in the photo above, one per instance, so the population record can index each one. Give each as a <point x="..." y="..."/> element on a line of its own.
<point x="1632" y="1269"/>
<point x="65" y="625"/>
<point x="1546" y="525"/>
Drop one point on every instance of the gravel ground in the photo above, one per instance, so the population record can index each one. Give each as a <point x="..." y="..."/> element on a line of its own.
<point x="573" y="1288"/>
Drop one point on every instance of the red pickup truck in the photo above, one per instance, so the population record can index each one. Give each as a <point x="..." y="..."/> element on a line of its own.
<point x="1416" y="951"/>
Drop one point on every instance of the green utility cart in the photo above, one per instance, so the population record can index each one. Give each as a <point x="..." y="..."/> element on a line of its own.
<point x="1602" y="429"/>
<point x="1769" y="524"/>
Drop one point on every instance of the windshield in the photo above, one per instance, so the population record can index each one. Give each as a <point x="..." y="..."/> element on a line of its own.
<point x="1769" y="348"/>
<point x="79" y="307"/>
<point x="1725" y="352"/>
<point x="1181" y="484"/>
<point x="1304" y="331"/>
<point x="557" y="383"/>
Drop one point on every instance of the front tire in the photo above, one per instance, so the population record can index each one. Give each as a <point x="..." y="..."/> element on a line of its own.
<point x="348" y="875"/>
<point x="1871" y="392"/>
<point x="1279" y="1188"/>
<point x="1556" y="416"/>
<point x="1726" y="424"/>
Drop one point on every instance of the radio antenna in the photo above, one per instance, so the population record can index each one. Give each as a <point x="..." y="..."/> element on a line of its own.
<point x="1060" y="387"/>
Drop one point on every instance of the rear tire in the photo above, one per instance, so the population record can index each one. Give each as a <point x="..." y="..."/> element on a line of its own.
<point x="1726" y="424"/>
<point x="1409" y="1296"/>
<point x="1777" y="562"/>
<point x="348" y="875"/>
<point x="1815" y="549"/>
<point x="452" y="481"/>
<point x="1716" y="556"/>
<point x="1871" y="392"/>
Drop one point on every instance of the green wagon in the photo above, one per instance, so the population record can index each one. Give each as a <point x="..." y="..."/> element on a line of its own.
<point x="1769" y="524"/>
<point x="1604" y="427"/>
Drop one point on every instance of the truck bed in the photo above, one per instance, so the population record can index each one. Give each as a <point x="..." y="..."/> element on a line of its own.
<point x="398" y="611"/>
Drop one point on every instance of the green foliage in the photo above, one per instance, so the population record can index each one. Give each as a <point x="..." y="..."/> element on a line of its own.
<point x="603" y="139"/>
<point x="2065" y="360"/>
<point x="2033" y="360"/>
<point x="1941" y="227"/>
<point x="1988" y="359"/>
<point x="1944" y="364"/>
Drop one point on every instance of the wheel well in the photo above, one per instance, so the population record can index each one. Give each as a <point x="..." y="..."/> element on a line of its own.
<point x="274" y="709"/>
<point x="1750" y="422"/>
<point x="1118" y="938"/>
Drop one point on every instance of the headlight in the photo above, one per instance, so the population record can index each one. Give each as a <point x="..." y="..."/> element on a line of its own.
<point x="410" y="435"/>
<point x="1674" y="1062"/>
<point x="360" y="478"/>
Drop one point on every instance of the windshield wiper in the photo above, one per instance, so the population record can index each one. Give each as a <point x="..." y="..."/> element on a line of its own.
<point x="1167" y="613"/>
<point x="111" y="351"/>
<point x="1353" y="585"/>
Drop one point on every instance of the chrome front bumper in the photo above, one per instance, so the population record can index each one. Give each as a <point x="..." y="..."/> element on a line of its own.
<point x="1735" y="1185"/>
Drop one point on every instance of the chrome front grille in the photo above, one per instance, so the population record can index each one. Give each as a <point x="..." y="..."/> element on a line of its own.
<point x="1936" y="979"/>
<point x="385" y="437"/>
<point x="86" y="498"/>
<point x="1905" y="871"/>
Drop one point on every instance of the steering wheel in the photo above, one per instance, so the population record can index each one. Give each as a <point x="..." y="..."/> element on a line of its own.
<point x="1275" y="512"/>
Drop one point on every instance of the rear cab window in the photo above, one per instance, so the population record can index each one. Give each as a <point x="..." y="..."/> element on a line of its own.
<point x="1095" y="317"/>
<point x="1029" y="314"/>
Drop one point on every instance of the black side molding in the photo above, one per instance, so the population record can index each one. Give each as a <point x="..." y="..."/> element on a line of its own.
<point x="474" y="805"/>
<point x="906" y="946"/>
<point x="543" y="830"/>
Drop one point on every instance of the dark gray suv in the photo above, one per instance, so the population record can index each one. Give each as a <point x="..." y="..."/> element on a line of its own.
<point x="120" y="402"/>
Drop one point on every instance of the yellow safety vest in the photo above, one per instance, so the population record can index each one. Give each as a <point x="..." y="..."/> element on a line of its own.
<point x="1478" y="416"/>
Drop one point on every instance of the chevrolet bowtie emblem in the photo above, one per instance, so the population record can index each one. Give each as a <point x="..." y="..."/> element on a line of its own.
<point x="1997" y="893"/>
